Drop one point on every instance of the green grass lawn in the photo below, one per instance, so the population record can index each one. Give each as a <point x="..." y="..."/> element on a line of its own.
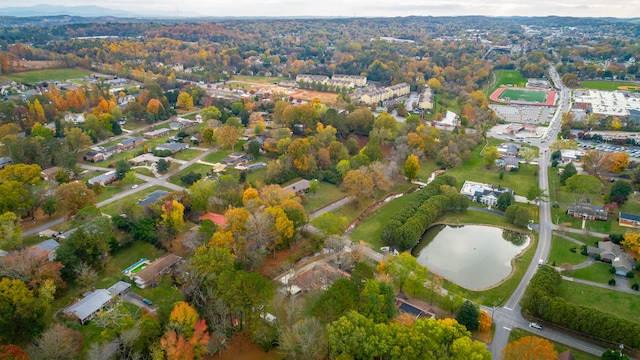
<point x="256" y="177"/>
<point x="369" y="229"/>
<point x="619" y="304"/>
<point x="187" y="154"/>
<point x="112" y="189"/>
<point x="113" y="208"/>
<point x="202" y="169"/>
<point x="517" y="334"/>
<point x="258" y="79"/>
<point x="47" y="74"/>
<point x="524" y="95"/>
<point x="561" y="253"/>
<point x="506" y="77"/>
<point x="217" y="156"/>
<point x="559" y="216"/>
<point x="144" y="171"/>
<point x="473" y="169"/>
<point x="327" y="194"/>
<point x="426" y="168"/>
<point x="605" y="85"/>
<point x="163" y="296"/>
<point x="596" y="272"/>
<point x="125" y="258"/>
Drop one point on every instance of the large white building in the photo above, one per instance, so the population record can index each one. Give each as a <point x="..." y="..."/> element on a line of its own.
<point x="607" y="103"/>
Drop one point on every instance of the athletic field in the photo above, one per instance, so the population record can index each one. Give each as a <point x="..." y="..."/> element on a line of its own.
<point x="532" y="96"/>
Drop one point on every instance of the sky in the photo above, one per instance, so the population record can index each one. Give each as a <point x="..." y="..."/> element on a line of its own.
<point x="360" y="8"/>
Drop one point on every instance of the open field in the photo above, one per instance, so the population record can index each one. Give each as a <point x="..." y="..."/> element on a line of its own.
<point x="524" y="95"/>
<point x="35" y="76"/>
<point x="187" y="154"/>
<point x="506" y="77"/>
<point x="327" y="194"/>
<point x="561" y="252"/>
<point x="609" y="85"/>
<point x="517" y="333"/>
<point x="144" y="171"/>
<point x="216" y="157"/>
<point x="616" y="303"/>
<point x="596" y="272"/>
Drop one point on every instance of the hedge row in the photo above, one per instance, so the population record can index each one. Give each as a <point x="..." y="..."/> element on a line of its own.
<point x="404" y="229"/>
<point x="540" y="300"/>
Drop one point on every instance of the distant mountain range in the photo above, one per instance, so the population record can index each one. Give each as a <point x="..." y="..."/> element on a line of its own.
<point x="50" y="10"/>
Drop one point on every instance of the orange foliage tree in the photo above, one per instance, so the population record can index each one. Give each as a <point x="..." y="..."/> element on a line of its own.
<point x="484" y="321"/>
<point x="530" y="348"/>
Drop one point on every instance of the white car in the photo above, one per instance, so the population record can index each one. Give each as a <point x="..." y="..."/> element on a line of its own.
<point x="135" y="186"/>
<point x="540" y="262"/>
<point x="535" y="326"/>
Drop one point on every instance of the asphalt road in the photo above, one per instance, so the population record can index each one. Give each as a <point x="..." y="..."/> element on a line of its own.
<point x="509" y="317"/>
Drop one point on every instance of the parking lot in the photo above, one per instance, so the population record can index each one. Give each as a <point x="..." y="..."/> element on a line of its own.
<point x="524" y="114"/>
<point x="632" y="151"/>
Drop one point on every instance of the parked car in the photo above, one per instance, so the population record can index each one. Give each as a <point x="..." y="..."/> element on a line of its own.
<point x="135" y="186"/>
<point x="535" y="326"/>
<point x="147" y="301"/>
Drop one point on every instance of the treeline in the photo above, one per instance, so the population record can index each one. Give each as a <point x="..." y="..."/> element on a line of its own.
<point x="541" y="300"/>
<point x="405" y="228"/>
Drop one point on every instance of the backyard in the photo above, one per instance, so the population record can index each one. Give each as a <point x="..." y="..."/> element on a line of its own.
<point x="186" y="154"/>
<point x="596" y="272"/>
<point x="217" y="156"/>
<point x="561" y="252"/>
<point x="201" y="169"/>
<point x="326" y="194"/>
<point x="113" y="209"/>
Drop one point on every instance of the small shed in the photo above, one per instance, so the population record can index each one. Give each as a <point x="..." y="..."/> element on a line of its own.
<point x="120" y="288"/>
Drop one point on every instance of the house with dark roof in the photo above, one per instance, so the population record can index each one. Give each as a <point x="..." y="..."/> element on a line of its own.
<point x="508" y="149"/>
<point x="120" y="288"/>
<point x="94" y="156"/>
<point x="153" y="197"/>
<point x="103" y="179"/>
<point x="47" y="248"/>
<point x="173" y="147"/>
<point x="629" y="220"/>
<point x="509" y="163"/>
<point x="152" y="273"/>
<point x="613" y="254"/>
<point x="130" y="143"/>
<point x="588" y="212"/>
<point x="89" y="306"/>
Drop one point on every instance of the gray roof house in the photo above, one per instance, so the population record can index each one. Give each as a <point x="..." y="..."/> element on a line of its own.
<point x="47" y="247"/>
<point x="298" y="187"/>
<point x="613" y="254"/>
<point x="93" y="301"/>
<point x="120" y="288"/>
<point x="152" y="198"/>
<point x="173" y="147"/>
<point x="103" y="179"/>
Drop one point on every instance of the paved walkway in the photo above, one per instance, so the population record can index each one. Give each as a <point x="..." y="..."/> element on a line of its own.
<point x="622" y="284"/>
<point x="577" y="231"/>
<point x="333" y="206"/>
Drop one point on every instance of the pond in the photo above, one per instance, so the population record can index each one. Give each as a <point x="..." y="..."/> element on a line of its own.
<point x="473" y="256"/>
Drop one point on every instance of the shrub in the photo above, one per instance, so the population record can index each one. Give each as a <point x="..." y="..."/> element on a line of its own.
<point x="635" y="287"/>
<point x="631" y="274"/>
<point x="612" y="282"/>
<point x="573" y="249"/>
<point x="583" y="250"/>
<point x="616" y="238"/>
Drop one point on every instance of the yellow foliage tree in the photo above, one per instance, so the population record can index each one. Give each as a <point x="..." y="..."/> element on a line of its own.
<point x="283" y="227"/>
<point x="185" y="100"/>
<point x="250" y="194"/>
<point x="222" y="239"/>
<point x="236" y="220"/>
<point x="632" y="241"/>
<point x="182" y="319"/>
<point x="173" y="215"/>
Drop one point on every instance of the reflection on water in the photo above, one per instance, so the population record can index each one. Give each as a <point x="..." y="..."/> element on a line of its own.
<point x="473" y="256"/>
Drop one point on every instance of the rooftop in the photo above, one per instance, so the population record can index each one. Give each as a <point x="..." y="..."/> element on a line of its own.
<point x="92" y="302"/>
<point x="153" y="197"/>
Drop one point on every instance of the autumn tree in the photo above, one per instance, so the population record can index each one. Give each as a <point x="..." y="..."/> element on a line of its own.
<point x="211" y="113"/>
<point x="405" y="270"/>
<point x="358" y="184"/>
<point x="283" y="228"/>
<point x="632" y="241"/>
<point x="484" y="321"/>
<point x="227" y="136"/>
<point x="32" y="267"/>
<point x="73" y="196"/>
<point x="22" y="311"/>
<point x="57" y="343"/>
<point x="22" y="173"/>
<point x="10" y="232"/>
<point x="185" y="100"/>
<point x="617" y="161"/>
<point x="330" y="224"/>
<point x="411" y="167"/>
<point x="12" y="352"/>
<point x="530" y="348"/>
<point x="490" y="156"/>
<point x="173" y="216"/>
<point x="201" y="193"/>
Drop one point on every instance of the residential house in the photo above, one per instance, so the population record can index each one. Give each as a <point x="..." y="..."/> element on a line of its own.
<point x="199" y="118"/>
<point x="173" y="147"/>
<point x="299" y="187"/>
<point x="629" y="220"/>
<point x="144" y="159"/>
<point x="89" y="306"/>
<point x="94" y="156"/>
<point x="288" y="83"/>
<point x="103" y="179"/>
<point x="50" y="173"/>
<point x="153" y="197"/>
<point x="413" y="310"/>
<point x="120" y="288"/>
<point x="150" y="275"/>
<point x="218" y="219"/>
<point x="485" y="194"/>
<point x="176" y="125"/>
<point x="4" y="161"/>
<point x="111" y="150"/>
<point x="130" y="143"/>
<point x="509" y="163"/>
<point x="312" y="78"/>
<point x="613" y="254"/>
<point x="508" y="149"/>
<point x="47" y="247"/>
<point x="588" y="212"/>
<point x="156" y="133"/>
<point x="76" y="119"/>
